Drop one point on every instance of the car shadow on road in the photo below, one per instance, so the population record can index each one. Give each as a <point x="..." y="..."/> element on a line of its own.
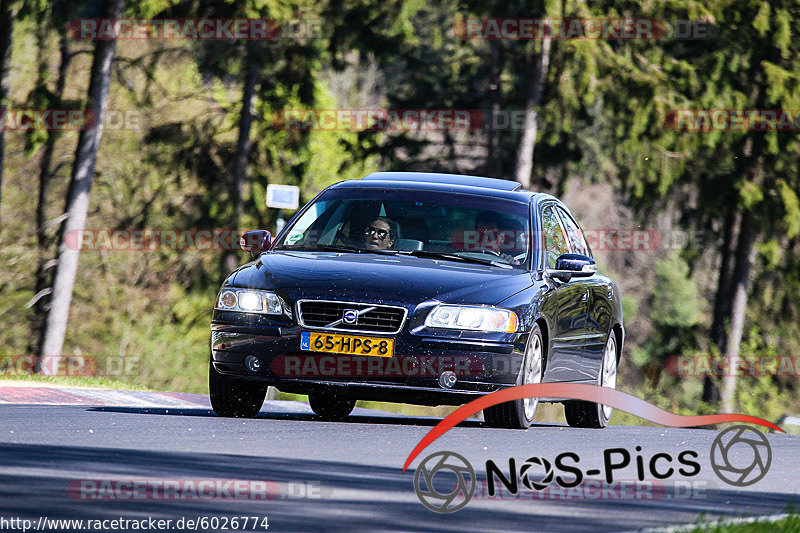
<point x="346" y="495"/>
<point x="356" y="418"/>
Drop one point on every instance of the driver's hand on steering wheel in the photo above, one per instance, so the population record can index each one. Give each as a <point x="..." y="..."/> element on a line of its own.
<point x="509" y="258"/>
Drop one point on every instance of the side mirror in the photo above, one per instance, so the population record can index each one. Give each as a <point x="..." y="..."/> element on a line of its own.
<point x="572" y="265"/>
<point x="255" y="241"/>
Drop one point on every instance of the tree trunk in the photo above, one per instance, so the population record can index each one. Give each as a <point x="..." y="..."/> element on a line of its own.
<point x="7" y="16"/>
<point x="537" y="66"/>
<point x="78" y="194"/>
<point x="239" y="167"/>
<point x="44" y="238"/>
<point x="740" y="283"/>
<point x="723" y="298"/>
<point x="496" y="91"/>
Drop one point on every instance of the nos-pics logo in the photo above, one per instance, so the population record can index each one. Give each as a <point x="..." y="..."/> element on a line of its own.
<point x="445" y="481"/>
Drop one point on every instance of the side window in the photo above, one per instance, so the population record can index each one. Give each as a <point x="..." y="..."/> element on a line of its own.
<point x="574" y="234"/>
<point x="554" y="242"/>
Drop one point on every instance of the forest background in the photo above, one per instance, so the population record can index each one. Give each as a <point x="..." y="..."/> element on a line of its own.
<point x="191" y="142"/>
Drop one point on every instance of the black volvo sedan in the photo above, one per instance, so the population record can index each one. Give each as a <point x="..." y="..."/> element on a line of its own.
<point x="420" y="288"/>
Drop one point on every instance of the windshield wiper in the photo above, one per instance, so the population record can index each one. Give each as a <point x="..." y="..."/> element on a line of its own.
<point x="416" y="253"/>
<point x="452" y="257"/>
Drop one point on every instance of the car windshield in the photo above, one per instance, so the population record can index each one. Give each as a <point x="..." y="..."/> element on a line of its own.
<point x="430" y="224"/>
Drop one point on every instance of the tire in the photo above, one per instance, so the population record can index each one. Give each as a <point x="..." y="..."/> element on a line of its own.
<point x="235" y="398"/>
<point x="330" y="406"/>
<point x="590" y="414"/>
<point x="519" y="414"/>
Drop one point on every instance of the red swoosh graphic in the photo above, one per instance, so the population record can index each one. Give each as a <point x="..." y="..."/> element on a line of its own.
<point x="578" y="391"/>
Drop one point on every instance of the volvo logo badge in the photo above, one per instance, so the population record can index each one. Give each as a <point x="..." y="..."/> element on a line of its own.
<point x="350" y="316"/>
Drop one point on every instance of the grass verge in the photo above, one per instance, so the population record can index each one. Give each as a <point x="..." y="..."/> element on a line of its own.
<point x="789" y="524"/>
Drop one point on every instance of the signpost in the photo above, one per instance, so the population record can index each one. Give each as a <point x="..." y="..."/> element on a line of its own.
<point x="282" y="197"/>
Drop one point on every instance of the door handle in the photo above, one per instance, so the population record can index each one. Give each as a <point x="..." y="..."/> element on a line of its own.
<point x="585" y="296"/>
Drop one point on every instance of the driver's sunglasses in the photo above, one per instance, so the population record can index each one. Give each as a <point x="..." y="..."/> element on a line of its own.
<point x="381" y="233"/>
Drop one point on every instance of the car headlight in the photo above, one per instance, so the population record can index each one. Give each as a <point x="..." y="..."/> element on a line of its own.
<point x="249" y="301"/>
<point x="472" y="318"/>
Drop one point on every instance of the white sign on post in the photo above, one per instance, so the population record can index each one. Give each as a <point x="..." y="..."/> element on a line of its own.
<point x="283" y="196"/>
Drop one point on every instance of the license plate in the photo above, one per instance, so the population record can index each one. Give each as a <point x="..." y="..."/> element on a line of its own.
<point x="347" y="344"/>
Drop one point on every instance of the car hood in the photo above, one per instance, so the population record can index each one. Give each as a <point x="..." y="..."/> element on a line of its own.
<point x="380" y="279"/>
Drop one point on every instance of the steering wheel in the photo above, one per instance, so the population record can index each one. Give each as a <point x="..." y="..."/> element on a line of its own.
<point x="505" y="257"/>
<point x="499" y="255"/>
<point x="491" y="252"/>
<point x="341" y="238"/>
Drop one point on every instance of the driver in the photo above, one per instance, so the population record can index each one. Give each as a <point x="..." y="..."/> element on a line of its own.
<point x="488" y="225"/>
<point x="380" y="234"/>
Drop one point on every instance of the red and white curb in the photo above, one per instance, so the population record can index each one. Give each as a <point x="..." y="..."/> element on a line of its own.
<point x="33" y="395"/>
<point x="16" y="393"/>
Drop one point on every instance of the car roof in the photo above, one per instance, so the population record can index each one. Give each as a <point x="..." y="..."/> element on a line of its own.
<point x="451" y="179"/>
<point x="493" y="187"/>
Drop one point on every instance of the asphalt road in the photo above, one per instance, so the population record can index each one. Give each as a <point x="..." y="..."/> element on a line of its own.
<point x="350" y="471"/>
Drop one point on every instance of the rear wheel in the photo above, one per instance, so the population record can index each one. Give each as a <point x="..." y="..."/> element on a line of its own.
<point x="330" y="406"/>
<point x="594" y="415"/>
<point x="235" y="398"/>
<point x="518" y="414"/>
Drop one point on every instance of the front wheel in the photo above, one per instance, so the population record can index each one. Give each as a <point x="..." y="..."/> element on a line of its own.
<point x="331" y="407"/>
<point x="595" y="415"/>
<point x="518" y="414"/>
<point x="234" y="398"/>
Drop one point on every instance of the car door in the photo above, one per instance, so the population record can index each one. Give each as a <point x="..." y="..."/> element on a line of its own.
<point x="599" y="295"/>
<point x="569" y="306"/>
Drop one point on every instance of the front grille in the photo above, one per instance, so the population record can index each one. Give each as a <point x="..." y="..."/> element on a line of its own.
<point x="326" y="314"/>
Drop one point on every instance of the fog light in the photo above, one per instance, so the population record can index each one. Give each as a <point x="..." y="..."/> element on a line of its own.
<point x="227" y="299"/>
<point x="447" y="379"/>
<point x="252" y="363"/>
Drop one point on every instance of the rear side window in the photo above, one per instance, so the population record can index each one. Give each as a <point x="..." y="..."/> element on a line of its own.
<point x="555" y="243"/>
<point x="574" y="234"/>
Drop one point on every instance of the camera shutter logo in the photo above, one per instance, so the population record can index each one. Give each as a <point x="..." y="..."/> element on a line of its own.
<point x="444" y="502"/>
<point x="732" y="442"/>
<point x="350" y="316"/>
<point x="546" y="479"/>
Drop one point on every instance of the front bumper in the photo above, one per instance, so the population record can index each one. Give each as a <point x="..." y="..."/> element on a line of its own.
<point x="482" y="364"/>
